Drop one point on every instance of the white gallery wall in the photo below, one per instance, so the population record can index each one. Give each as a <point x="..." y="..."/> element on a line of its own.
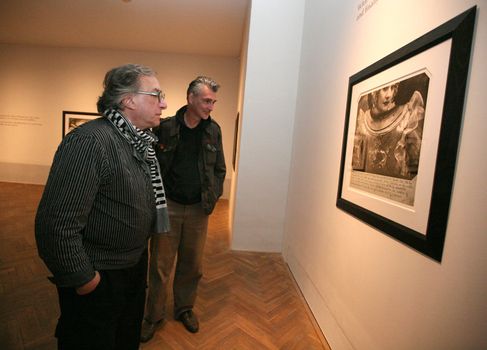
<point x="238" y="126"/>
<point x="269" y="101"/>
<point x="367" y="290"/>
<point x="37" y="83"/>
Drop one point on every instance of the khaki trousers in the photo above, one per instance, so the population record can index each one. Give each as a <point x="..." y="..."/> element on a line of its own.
<point x="185" y="242"/>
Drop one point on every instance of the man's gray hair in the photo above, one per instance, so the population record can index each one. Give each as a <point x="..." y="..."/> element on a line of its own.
<point x="119" y="81"/>
<point x="195" y="86"/>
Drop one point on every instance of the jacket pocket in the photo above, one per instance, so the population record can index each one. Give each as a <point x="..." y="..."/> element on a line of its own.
<point x="210" y="154"/>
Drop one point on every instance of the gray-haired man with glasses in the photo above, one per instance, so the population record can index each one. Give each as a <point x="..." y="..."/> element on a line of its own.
<point x="103" y="199"/>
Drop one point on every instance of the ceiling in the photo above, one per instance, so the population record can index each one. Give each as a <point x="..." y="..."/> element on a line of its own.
<point x="206" y="27"/>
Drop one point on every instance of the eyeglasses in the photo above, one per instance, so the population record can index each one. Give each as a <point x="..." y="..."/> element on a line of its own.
<point x="159" y="94"/>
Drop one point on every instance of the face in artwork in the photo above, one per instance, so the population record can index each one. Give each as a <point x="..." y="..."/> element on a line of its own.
<point x="384" y="99"/>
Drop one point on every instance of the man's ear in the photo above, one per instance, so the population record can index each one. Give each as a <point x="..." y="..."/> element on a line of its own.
<point x="128" y="102"/>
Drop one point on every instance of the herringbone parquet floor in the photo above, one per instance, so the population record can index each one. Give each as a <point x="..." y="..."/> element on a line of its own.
<point x="245" y="300"/>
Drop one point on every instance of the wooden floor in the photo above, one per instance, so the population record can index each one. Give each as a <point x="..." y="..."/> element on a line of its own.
<point x="245" y="300"/>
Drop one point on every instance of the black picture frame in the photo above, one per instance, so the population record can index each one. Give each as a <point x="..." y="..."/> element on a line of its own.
<point x="73" y="119"/>
<point x="235" y="138"/>
<point x="455" y="39"/>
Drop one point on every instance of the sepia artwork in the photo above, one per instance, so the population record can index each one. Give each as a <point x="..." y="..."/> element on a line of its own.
<point x="388" y="136"/>
<point x="402" y="125"/>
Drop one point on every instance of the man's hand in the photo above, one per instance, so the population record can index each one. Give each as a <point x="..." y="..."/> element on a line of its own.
<point x="90" y="286"/>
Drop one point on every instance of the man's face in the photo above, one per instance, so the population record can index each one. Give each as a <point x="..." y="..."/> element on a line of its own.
<point x="201" y="105"/>
<point x="145" y="112"/>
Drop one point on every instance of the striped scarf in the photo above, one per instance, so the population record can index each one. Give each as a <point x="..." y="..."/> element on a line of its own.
<point x="142" y="142"/>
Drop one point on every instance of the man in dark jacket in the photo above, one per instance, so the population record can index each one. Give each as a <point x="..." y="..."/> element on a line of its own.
<point x="103" y="199"/>
<point x="190" y="154"/>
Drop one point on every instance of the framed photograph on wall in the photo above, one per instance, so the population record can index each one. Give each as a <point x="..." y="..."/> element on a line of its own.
<point x="72" y="120"/>
<point x="402" y="126"/>
<point x="235" y="138"/>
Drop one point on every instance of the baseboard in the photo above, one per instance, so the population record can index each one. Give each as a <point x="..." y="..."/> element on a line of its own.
<point x="319" y="310"/>
<point x="311" y="317"/>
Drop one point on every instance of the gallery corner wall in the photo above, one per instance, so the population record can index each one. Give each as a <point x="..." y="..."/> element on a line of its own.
<point x="38" y="83"/>
<point x="269" y="96"/>
<point x="366" y="289"/>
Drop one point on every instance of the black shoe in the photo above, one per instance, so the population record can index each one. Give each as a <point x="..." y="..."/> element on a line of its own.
<point x="188" y="318"/>
<point x="148" y="330"/>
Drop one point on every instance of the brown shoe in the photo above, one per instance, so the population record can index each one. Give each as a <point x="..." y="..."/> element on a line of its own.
<point x="148" y="329"/>
<point x="189" y="320"/>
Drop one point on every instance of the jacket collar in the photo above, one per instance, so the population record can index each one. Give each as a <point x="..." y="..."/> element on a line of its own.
<point x="180" y="118"/>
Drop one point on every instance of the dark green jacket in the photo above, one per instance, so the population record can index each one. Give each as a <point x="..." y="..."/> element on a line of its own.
<point x="211" y="162"/>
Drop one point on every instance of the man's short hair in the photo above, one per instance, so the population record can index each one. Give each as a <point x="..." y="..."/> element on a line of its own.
<point x="195" y="86"/>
